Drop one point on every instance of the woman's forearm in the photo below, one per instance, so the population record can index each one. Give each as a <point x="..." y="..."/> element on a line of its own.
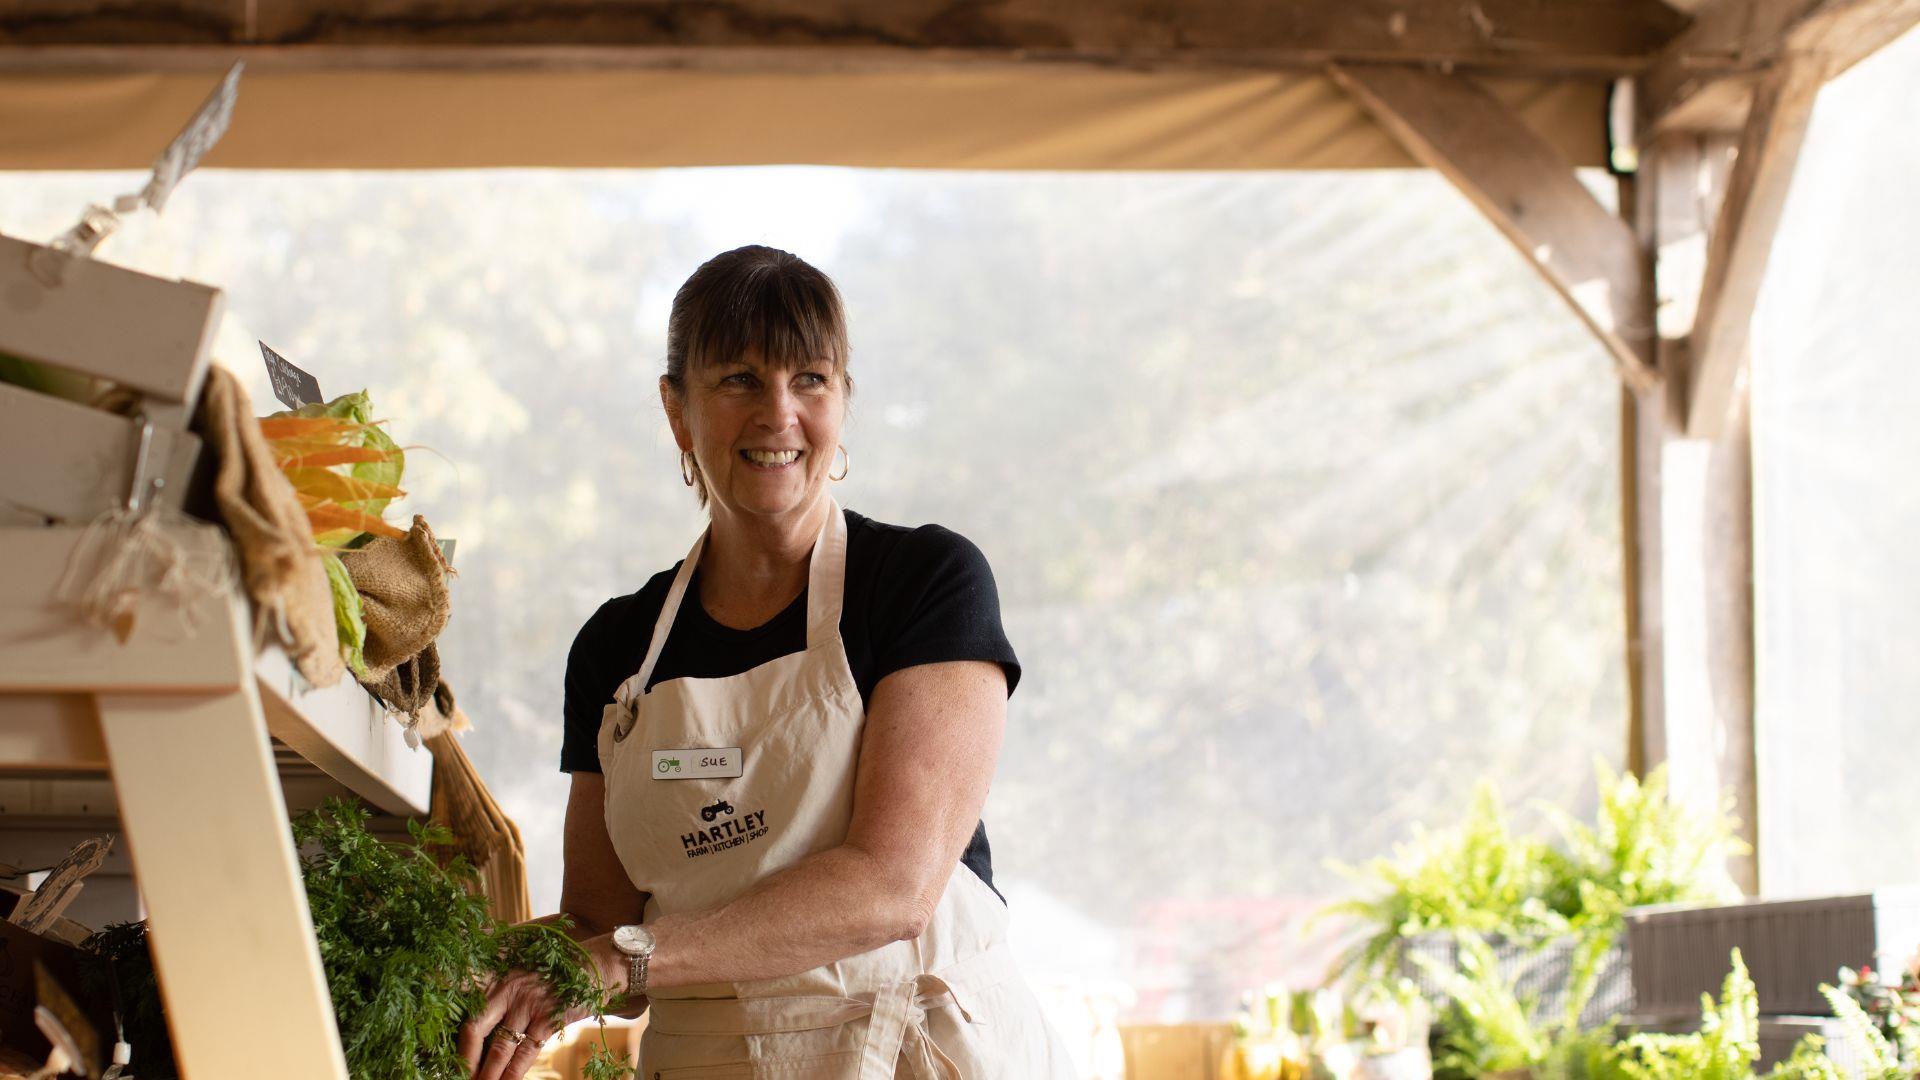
<point x="832" y="905"/>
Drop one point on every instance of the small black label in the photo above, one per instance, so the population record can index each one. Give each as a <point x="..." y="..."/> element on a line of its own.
<point x="291" y="385"/>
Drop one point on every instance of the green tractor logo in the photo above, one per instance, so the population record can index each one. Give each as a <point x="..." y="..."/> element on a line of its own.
<point x="667" y="765"/>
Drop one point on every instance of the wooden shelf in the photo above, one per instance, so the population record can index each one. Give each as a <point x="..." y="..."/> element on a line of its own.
<point x="341" y="733"/>
<point x="336" y="740"/>
<point x="174" y="729"/>
<point x="196" y="750"/>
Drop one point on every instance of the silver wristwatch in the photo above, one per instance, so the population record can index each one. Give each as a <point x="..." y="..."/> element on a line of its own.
<point x="635" y="942"/>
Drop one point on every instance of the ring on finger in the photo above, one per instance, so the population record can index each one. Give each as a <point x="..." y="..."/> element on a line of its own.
<point x="507" y="1034"/>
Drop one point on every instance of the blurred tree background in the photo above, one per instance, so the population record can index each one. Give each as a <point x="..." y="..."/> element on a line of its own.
<point x="1301" y="491"/>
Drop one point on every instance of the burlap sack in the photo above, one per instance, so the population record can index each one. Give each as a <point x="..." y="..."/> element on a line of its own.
<point x="409" y="686"/>
<point x="404" y="597"/>
<point x="279" y="563"/>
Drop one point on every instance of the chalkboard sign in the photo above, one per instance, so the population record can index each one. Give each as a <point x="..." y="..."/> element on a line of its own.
<point x="194" y="140"/>
<point x="291" y="385"/>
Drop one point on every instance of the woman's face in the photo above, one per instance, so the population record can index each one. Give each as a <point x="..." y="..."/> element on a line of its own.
<point x="765" y="438"/>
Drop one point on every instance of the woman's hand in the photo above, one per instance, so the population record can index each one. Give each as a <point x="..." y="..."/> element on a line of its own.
<point x="518" y="1001"/>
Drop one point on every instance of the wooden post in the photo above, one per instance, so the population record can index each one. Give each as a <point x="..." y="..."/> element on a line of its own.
<point x="206" y="824"/>
<point x="1693" y="524"/>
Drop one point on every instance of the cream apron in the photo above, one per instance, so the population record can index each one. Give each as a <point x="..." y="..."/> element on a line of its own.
<point x="712" y="784"/>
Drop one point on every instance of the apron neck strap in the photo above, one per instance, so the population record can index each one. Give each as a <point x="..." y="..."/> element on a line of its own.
<point x="827" y="578"/>
<point x="826" y="581"/>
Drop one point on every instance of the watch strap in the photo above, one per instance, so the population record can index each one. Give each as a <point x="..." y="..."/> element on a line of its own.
<point x="637" y="973"/>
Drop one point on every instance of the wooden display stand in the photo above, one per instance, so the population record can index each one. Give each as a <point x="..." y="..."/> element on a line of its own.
<point x="206" y="744"/>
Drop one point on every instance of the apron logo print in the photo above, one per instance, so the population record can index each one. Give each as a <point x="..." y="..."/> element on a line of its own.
<point x="744" y="829"/>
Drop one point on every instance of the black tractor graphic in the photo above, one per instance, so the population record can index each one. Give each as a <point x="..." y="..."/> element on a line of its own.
<point x="708" y="813"/>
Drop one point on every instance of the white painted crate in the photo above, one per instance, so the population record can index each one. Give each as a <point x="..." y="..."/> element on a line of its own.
<point x="66" y="460"/>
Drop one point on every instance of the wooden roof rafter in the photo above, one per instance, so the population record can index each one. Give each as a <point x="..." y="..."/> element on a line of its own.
<point x="1592" y="38"/>
<point x="1528" y="191"/>
<point x="1703" y="80"/>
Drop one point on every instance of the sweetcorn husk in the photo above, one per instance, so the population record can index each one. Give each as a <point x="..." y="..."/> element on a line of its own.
<point x="279" y="564"/>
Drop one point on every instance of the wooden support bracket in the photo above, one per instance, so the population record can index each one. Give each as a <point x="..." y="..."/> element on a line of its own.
<point x="1530" y="193"/>
<point x="1742" y="238"/>
<point x="1701" y="81"/>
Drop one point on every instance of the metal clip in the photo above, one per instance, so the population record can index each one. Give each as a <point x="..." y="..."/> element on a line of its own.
<point x="141" y="491"/>
<point x="50" y="263"/>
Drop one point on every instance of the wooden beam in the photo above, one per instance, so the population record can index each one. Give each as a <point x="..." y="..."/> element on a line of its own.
<point x="45" y="649"/>
<point x="1742" y="238"/>
<point x="1597" y="37"/>
<point x="206" y="825"/>
<point x="52" y="734"/>
<point x="1691" y="529"/>
<point x="1529" y="192"/>
<point x="1703" y="79"/>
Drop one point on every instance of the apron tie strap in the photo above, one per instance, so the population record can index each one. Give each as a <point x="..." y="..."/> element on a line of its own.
<point x="897" y="1015"/>
<point x="900" y="1020"/>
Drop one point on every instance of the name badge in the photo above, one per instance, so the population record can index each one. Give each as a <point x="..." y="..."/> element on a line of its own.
<point x="697" y="763"/>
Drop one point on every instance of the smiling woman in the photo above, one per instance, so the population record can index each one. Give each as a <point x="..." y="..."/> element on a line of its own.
<point x="746" y="321"/>
<point x="778" y="848"/>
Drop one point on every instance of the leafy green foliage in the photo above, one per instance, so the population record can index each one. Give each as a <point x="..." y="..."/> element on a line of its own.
<point x="1892" y="1008"/>
<point x="408" y="949"/>
<point x="1581" y="1055"/>
<point x="1641" y="849"/>
<point x="604" y="1064"/>
<point x="118" y="953"/>
<point x="1883" y="1057"/>
<point x="1481" y="879"/>
<point x="1475" y="878"/>
<point x="1485" y="1027"/>
<point x="1725" y="1048"/>
<point x="1492" y="1031"/>
<point x="1482" y="882"/>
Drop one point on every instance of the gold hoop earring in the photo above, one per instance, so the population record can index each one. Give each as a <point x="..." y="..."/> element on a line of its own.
<point x="687" y="466"/>
<point x="845" y="469"/>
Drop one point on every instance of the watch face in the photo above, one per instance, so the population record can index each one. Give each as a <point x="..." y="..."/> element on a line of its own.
<point x="633" y="940"/>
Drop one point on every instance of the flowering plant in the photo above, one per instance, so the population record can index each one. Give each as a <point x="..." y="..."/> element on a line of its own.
<point x="1893" y="1006"/>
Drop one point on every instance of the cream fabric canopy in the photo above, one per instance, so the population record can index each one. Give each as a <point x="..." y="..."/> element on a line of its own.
<point x="1012" y="116"/>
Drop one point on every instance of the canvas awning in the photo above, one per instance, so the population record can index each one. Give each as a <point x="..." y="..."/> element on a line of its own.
<point x="986" y="117"/>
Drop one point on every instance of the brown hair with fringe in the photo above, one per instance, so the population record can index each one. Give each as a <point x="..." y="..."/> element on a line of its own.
<point x="755" y="298"/>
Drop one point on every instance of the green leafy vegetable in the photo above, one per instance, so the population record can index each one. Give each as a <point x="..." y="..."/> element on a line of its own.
<point x="349" y="620"/>
<point x="408" y="948"/>
<point x="118" y="954"/>
<point x="57" y="382"/>
<point x="603" y="1063"/>
<point x="343" y="467"/>
<point x="358" y="407"/>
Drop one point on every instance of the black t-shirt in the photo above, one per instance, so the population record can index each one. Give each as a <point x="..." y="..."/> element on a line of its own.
<point x="912" y="596"/>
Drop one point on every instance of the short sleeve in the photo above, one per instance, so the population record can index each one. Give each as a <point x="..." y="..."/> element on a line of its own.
<point x="938" y="602"/>
<point x="589" y="688"/>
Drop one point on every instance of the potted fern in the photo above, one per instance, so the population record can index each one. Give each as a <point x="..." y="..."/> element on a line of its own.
<point x="1543" y="914"/>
